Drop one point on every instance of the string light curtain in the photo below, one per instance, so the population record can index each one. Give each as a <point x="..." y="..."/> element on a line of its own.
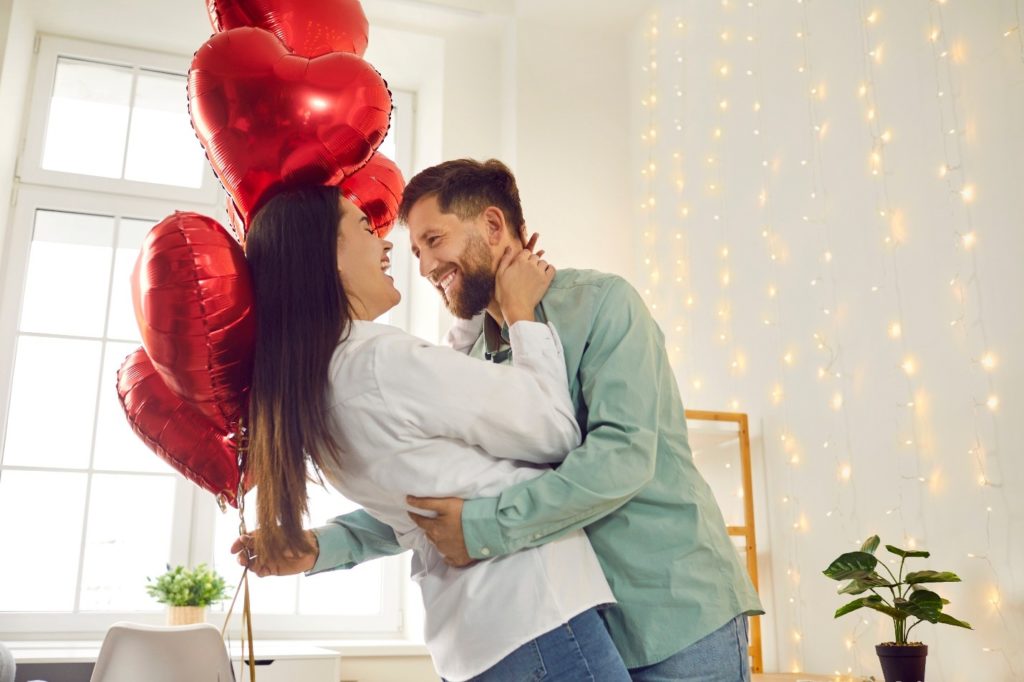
<point x="830" y="219"/>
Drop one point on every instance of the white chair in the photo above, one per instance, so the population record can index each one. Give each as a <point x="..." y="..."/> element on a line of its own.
<point x="132" y="652"/>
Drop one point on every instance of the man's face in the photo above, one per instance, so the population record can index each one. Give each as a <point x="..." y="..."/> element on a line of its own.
<point x="455" y="256"/>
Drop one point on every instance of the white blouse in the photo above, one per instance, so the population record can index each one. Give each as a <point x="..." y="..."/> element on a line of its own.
<point x="411" y="418"/>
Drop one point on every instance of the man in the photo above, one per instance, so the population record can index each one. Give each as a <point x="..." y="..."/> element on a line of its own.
<point x="683" y="597"/>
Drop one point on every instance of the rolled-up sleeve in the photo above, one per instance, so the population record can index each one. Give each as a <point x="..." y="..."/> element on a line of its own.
<point x="349" y="540"/>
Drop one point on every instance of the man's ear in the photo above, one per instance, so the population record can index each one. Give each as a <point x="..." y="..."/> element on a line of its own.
<point x="494" y="222"/>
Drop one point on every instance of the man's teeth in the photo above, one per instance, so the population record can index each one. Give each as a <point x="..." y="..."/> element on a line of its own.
<point x="385" y="265"/>
<point x="446" y="281"/>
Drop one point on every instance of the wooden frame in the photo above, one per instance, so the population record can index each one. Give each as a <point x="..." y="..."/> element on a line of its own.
<point x="746" y="531"/>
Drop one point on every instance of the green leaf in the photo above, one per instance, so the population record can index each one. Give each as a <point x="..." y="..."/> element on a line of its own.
<point x="878" y="604"/>
<point x="950" y="620"/>
<point x="861" y="585"/>
<point x="923" y="604"/>
<point x="870" y="545"/>
<point x="916" y="588"/>
<point x="178" y="587"/>
<point x="852" y="606"/>
<point x="852" y="566"/>
<point x="908" y="552"/>
<point x="916" y="577"/>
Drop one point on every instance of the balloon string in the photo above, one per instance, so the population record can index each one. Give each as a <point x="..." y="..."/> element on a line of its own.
<point x="247" y="620"/>
<point x="243" y="583"/>
<point x="243" y="589"/>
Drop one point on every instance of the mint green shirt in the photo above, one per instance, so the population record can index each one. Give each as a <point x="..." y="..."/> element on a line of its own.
<point x="632" y="485"/>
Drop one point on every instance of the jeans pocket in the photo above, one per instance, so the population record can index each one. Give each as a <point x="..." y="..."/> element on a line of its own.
<point x="525" y="664"/>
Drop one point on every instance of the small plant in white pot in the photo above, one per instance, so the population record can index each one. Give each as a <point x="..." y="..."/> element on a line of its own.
<point x="909" y="604"/>
<point x="187" y="593"/>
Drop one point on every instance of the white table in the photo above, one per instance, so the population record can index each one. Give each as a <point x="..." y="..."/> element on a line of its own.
<point x="286" y="661"/>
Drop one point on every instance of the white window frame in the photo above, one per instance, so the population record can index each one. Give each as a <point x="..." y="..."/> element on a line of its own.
<point x="195" y="510"/>
<point x="30" y="166"/>
<point x="29" y="200"/>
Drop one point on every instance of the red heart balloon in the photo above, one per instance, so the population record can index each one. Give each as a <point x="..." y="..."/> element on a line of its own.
<point x="193" y="299"/>
<point x="307" y="27"/>
<point x="269" y="119"/>
<point x="175" y="431"/>
<point x="376" y="189"/>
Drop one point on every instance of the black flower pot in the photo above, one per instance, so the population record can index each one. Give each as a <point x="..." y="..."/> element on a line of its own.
<point x="902" y="663"/>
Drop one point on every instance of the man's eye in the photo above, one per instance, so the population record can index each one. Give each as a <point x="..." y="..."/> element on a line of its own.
<point x="432" y="240"/>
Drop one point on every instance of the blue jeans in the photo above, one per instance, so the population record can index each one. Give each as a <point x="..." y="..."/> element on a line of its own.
<point x="578" y="651"/>
<point x="719" y="657"/>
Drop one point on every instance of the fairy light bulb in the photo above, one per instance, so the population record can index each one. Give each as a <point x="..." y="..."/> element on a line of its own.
<point x="989" y="361"/>
<point x="992" y="403"/>
<point x="909" y="366"/>
<point x="969" y="240"/>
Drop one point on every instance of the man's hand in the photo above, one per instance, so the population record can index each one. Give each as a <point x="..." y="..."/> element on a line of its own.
<point x="444" y="530"/>
<point x="288" y="564"/>
<point x="521" y="280"/>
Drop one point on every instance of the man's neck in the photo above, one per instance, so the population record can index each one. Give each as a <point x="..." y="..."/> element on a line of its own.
<point x="494" y="310"/>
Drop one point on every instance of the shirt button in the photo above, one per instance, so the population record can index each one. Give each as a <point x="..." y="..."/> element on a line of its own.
<point x="485" y="551"/>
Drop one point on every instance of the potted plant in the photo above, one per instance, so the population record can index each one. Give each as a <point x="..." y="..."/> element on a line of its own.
<point x="187" y="593"/>
<point x="905" y="600"/>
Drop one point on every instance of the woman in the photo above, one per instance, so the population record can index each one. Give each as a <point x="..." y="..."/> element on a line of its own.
<point x="382" y="415"/>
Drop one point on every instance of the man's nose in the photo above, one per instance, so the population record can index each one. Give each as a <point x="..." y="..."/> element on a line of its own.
<point x="427" y="264"/>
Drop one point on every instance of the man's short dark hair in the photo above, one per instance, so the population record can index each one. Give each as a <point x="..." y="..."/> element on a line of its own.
<point x="466" y="187"/>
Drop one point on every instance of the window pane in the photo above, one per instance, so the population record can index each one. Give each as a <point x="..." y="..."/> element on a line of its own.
<point x="122" y="323"/>
<point x="117" y="446"/>
<point x="161" y="144"/>
<point x="68" y="274"/>
<point x="88" y="120"/>
<point x="41" y="529"/>
<point x="271" y="595"/>
<point x="123" y="545"/>
<point x="53" y="403"/>
<point x="353" y="592"/>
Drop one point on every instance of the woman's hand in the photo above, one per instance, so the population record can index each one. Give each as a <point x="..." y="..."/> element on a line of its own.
<point x="520" y="283"/>
<point x="244" y="548"/>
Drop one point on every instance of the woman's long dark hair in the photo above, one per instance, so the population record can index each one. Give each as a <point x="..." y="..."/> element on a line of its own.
<point x="301" y="314"/>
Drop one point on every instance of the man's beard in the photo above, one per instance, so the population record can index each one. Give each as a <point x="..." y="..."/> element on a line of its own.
<point x="475" y="291"/>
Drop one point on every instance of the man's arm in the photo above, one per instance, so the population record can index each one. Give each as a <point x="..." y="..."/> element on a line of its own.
<point x="351" y="539"/>
<point x="619" y="373"/>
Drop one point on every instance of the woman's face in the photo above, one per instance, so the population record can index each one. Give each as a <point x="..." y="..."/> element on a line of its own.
<point x="363" y="261"/>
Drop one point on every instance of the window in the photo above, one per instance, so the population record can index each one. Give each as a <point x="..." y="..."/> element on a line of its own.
<point x="87" y="512"/>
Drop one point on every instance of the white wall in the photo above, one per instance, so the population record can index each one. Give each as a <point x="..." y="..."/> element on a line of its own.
<point x="814" y="364"/>
<point x="572" y="144"/>
<point x="16" y="41"/>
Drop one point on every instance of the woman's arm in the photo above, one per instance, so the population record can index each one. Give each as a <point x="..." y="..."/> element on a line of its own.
<point x="521" y="412"/>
